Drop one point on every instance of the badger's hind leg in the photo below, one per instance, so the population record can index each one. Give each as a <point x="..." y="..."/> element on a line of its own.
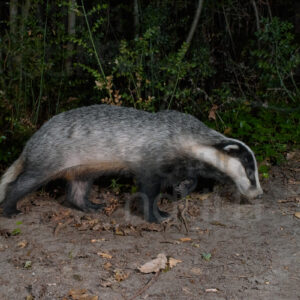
<point x="149" y="189"/>
<point x="78" y="194"/>
<point x="25" y="183"/>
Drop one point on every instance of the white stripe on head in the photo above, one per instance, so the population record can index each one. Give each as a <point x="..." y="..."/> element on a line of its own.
<point x="231" y="147"/>
<point x="254" y="159"/>
<point x="227" y="164"/>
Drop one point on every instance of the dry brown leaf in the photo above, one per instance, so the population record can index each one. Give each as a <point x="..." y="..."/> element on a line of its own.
<point x="154" y="265"/>
<point x="120" y="275"/>
<point x="292" y="181"/>
<point x="150" y="227"/>
<point x="104" y="255"/>
<point x="203" y="197"/>
<point x="22" y="244"/>
<point x="185" y="239"/>
<point x="118" y="231"/>
<point x="97" y="227"/>
<point x="81" y="294"/>
<point x="227" y="130"/>
<point x="290" y="155"/>
<point x="217" y="223"/>
<point x="87" y="297"/>
<point x="196" y="271"/>
<point x="97" y="240"/>
<point x="173" y="262"/>
<point x="297" y="214"/>
<point x="3" y="247"/>
<point x="212" y="113"/>
<point x="106" y="283"/>
<point x="99" y="84"/>
<point x="76" y="292"/>
<point x="107" y="266"/>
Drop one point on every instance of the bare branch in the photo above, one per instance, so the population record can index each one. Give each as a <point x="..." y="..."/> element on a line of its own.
<point x="195" y="22"/>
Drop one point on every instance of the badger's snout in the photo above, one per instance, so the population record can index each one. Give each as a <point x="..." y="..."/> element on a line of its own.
<point x="253" y="192"/>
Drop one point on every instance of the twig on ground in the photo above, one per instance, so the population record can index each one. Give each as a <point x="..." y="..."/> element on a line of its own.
<point x="181" y="214"/>
<point x="61" y="226"/>
<point x="144" y="288"/>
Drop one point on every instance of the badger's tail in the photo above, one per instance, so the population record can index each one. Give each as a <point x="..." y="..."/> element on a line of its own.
<point x="10" y="175"/>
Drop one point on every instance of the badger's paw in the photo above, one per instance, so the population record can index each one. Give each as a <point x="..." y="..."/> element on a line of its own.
<point x="10" y="211"/>
<point x="158" y="217"/>
<point x="92" y="207"/>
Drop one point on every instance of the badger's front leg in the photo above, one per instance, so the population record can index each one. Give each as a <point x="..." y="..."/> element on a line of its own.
<point x="185" y="187"/>
<point x="78" y="194"/>
<point x="149" y="188"/>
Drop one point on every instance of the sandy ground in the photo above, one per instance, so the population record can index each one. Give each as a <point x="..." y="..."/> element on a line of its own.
<point x="231" y="250"/>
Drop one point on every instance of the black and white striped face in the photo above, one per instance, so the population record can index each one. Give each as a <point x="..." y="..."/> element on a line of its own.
<point x="243" y="167"/>
<point x="235" y="159"/>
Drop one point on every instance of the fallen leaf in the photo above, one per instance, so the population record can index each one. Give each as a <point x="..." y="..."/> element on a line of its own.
<point x="203" y="197"/>
<point x="77" y="292"/>
<point x="212" y="113"/>
<point x="290" y="155"/>
<point x="196" y="271"/>
<point x="99" y="84"/>
<point x="120" y="275"/>
<point x="154" y="265"/>
<point x="97" y="240"/>
<point x="227" y="130"/>
<point x="97" y="227"/>
<point x="297" y="214"/>
<point x="173" y="262"/>
<point x="27" y="264"/>
<point x="150" y="227"/>
<point x="185" y="239"/>
<point x="77" y="277"/>
<point x="22" y="244"/>
<point x="186" y="290"/>
<point x="106" y="283"/>
<point x="104" y="255"/>
<point x="81" y="294"/>
<point x="211" y="290"/>
<point x="3" y="247"/>
<point x="119" y="232"/>
<point x="107" y="266"/>
<point x="292" y="181"/>
<point x="206" y="256"/>
<point x="217" y="223"/>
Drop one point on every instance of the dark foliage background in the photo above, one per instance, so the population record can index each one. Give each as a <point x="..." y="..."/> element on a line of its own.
<point x="239" y="73"/>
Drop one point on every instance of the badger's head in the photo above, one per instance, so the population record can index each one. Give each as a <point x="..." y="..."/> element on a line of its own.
<point x="240" y="164"/>
<point x="236" y="160"/>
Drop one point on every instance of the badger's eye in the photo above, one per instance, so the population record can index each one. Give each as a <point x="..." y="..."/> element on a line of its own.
<point x="245" y="160"/>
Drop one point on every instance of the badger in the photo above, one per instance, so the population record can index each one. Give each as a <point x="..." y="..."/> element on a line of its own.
<point x="160" y="148"/>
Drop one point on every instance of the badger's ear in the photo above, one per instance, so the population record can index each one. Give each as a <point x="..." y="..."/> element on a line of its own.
<point x="230" y="147"/>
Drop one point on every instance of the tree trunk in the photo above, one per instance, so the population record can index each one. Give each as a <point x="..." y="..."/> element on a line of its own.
<point x="136" y="18"/>
<point x="71" y="33"/>
<point x="13" y="14"/>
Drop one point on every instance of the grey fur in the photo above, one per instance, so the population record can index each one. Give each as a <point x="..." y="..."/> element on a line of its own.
<point x="84" y="143"/>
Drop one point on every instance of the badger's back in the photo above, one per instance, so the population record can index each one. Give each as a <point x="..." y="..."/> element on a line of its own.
<point x="109" y="133"/>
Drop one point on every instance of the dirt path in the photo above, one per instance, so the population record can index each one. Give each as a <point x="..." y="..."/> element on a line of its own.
<point x="232" y="251"/>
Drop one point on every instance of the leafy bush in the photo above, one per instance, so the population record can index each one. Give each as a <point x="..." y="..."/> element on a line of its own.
<point x="238" y="81"/>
